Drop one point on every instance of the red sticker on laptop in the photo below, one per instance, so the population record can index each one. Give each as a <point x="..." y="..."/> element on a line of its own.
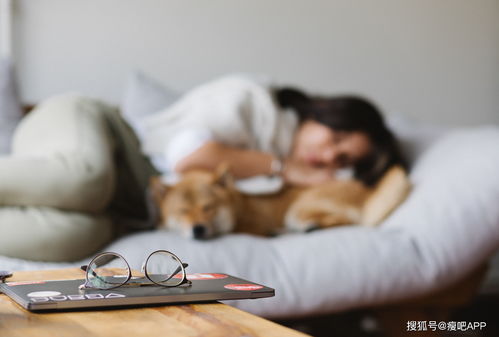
<point x="202" y="276"/>
<point x="243" y="287"/>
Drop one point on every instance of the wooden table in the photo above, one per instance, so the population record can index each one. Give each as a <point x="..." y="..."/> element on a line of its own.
<point x="213" y="319"/>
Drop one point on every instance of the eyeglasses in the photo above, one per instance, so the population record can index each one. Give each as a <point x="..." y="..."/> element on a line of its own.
<point x="110" y="270"/>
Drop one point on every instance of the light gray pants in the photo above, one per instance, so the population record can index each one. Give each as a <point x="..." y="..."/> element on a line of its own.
<point x="74" y="163"/>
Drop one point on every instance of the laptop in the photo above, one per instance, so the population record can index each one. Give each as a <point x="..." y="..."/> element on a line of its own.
<point x="65" y="295"/>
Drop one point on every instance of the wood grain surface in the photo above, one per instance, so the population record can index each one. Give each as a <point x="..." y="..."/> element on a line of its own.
<point x="207" y="320"/>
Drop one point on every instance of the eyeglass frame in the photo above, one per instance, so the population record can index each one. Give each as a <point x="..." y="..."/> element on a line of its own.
<point x="87" y="284"/>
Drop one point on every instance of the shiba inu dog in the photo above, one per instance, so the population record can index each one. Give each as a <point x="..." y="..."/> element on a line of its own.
<point x="204" y="204"/>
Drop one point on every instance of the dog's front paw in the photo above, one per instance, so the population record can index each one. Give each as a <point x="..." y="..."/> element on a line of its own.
<point x="293" y="224"/>
<point x="310" y="220"/>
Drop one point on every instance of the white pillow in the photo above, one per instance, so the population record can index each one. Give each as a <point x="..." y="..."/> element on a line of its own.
<point x="143" y="96"/>
<point x="10" y="108"/>
<point x="414" y="135"/>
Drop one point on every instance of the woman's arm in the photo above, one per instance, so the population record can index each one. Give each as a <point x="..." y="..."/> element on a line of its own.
<point x="243" y="163"/>
<point x="246" y="163"/>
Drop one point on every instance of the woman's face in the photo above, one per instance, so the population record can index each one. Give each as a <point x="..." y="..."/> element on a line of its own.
<point x="318" y="145"/>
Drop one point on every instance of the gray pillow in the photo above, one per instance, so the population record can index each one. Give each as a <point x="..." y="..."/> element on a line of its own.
<point x="143" y="96"/>
<point x="10" y="108"/>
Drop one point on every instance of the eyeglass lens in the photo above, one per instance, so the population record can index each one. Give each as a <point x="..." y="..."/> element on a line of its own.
<point x="108" y="271"/>
<point x="164" y="268"/>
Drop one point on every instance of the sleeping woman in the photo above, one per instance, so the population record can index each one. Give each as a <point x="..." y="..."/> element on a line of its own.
<point x="77" y="168"/>
<point x="259" y="130"/>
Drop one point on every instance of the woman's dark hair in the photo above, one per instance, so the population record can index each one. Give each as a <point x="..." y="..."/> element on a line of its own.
<point x="349" y="113"/>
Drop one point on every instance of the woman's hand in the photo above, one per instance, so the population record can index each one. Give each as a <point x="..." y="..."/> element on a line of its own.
<point x="297" y="173"/>
<point x="243" y="163"/>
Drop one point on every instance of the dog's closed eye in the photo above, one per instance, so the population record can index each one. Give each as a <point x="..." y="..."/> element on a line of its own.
<point x="208" y="208"/>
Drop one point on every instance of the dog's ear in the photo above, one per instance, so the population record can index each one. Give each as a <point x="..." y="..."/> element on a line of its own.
<point x="158" y="189"/>
<point x="223" y="176"/>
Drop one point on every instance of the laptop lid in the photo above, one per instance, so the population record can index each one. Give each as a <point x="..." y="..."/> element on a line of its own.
<point x="65" y="295"/>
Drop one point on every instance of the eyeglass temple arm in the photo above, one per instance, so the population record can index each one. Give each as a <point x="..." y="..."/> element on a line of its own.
<point x="85" y="268"/>
<point x="185" y="265"/>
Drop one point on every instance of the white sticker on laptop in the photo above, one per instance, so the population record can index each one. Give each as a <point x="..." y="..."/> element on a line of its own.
<point x="43" y="293"/>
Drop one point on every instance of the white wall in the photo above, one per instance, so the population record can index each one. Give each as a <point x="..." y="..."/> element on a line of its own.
<point x="434" y="60"/>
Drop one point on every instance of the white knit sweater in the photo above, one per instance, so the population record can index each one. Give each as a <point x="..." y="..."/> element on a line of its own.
<point x="234" y="110"/>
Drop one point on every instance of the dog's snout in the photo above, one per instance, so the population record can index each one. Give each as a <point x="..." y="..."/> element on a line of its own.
<point x="199" y="231"/>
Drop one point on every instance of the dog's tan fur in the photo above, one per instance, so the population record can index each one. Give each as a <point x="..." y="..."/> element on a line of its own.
<point x="209" y="200"/>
